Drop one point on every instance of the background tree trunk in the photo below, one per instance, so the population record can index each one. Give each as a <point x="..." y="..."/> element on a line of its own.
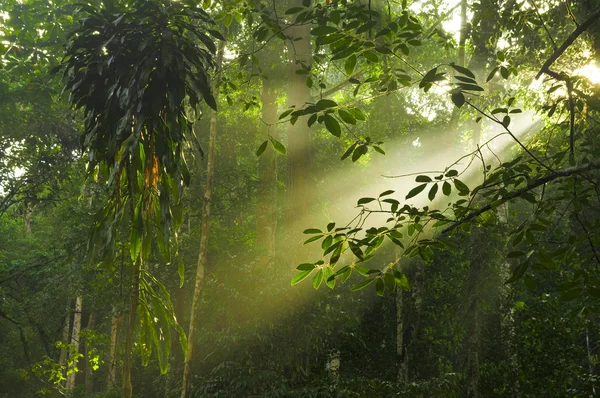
<point x="202" y="256"/>
<point x="115" y="328"/>
<point x="75" y="341"/>
<point x="89" y="376"/>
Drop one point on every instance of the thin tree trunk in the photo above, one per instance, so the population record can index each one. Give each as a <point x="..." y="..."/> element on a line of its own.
<point x="133" y="303"/>
<point x="266" y="220"/>
<point x="298" y="186"/>
<point x="89" y="377"/>
<point x="202" y="256"/>
<point x="62" y="361"/>
<point x="401" y="369"/>
<point x="75" y="341"/>
<point x="115" y="328"/>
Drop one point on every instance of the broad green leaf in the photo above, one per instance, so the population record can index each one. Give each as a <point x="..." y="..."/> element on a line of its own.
<point x="317" y="279"/>
<point x="380" y="287"/>
<point x="458" y="99"/>
<point x="350" y="64"/>
<point x="415" y="191"/>
<point x="305" y="267"/>
<point x="362" y="285"/>
<point x="446" y="188"/>
<point x="278" y="146"/>
<point x="332" y="125"/>
<point x="433" y="192"/>
<point x="300" y="277"/>
<point x="262" y="148"/>
<point x="312" y="231"/>
<point x="364" y="201"/>
<point x="347" y="117"/>
<point x="329" y="277"/>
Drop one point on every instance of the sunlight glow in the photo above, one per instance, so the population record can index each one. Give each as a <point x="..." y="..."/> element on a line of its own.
<point x="590" y="71"/>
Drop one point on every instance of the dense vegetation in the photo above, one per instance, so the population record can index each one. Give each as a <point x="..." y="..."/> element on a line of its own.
<point x="163" y="162"/>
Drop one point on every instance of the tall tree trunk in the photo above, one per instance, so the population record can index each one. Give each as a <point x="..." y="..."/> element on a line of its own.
<point x="266" y="220"/>
<point x="298" y="185"/>
<point x="115" y="328"/>
<point x="203" y="253"/>
<point x="75" y="341"/>
<point x="62" y="359"/>
<point x="401" y="368"/>
<point x="89" y="377"/>
<point x="133" y="303"/>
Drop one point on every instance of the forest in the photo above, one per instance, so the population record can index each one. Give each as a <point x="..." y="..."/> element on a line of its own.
<point x="299" y="198"/>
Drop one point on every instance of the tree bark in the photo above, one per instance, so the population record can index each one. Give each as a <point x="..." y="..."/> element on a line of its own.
<point x="298" y="185"/>
<point x="127" y="391"/>
<point x="75" y="341"/>
<point x="203" y="253"/>
<point x="401" y="368"/>
<point x="89" y="377"/>
<point x="266" y="216"/>
<point x="115" y="328"/>
<point x="62" y="360"/>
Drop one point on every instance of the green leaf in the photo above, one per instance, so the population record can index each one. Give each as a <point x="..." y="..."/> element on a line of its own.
<point x="332" y="125"/>
<point x="362" y="285"/>
<point x="433" y="192"/>
<point x="386" y="193"/>
<point x="349" y="151"/>
<point x="278" y="146"/>
<point x="293" y="10"/>
<point x="364" y="201"/>
<point x="390" y="281"/>
<point x="446" y="188"/>
<point x="571" y="294"/>
<point x="325" y="104"/>
<point x="306" y="267"/>
<point x="378" y="149"/>
<point x="415" y="191"/>
<point x="312" y="239"/>
<point x="323" y="30"/>
<point x="300" y="277"/>
<point x="318" y="278"/>
<point x="458" y="99"/>
<point x="312" y="231"/>
<point x="370" y="56"/>
<point x="426" y="254"/>
<point x="492" y="74"/>
<point x="462" y="188"/>
<point x="350" y="64"/>
<point x="463" y="70"/>
<point x="380" y="287"/>
<point x="530" y="282"/>
<point x="261" y="148"/>
<point x="135" y="244"/>
<point x="347" y="117"/>
<point x="329" y="277"/>
<point x="470" y="87"/>
<point x="423" y="178"/>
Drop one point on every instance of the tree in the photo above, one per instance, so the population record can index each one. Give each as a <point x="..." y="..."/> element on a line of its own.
<point x="145" y="61"/>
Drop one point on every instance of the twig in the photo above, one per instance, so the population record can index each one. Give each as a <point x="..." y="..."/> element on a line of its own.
<point x="572" y="37"/>
<point x="531" y="185"/>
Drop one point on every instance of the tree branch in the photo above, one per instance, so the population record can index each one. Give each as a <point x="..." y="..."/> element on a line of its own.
<point x="572" y="37"/>
<point x="531" y="185"/>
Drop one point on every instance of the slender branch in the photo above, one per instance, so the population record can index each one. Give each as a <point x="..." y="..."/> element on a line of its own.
<point x="572" y="37"/>
<point x="531" y="185"/>
<point x="337" y="87"/>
